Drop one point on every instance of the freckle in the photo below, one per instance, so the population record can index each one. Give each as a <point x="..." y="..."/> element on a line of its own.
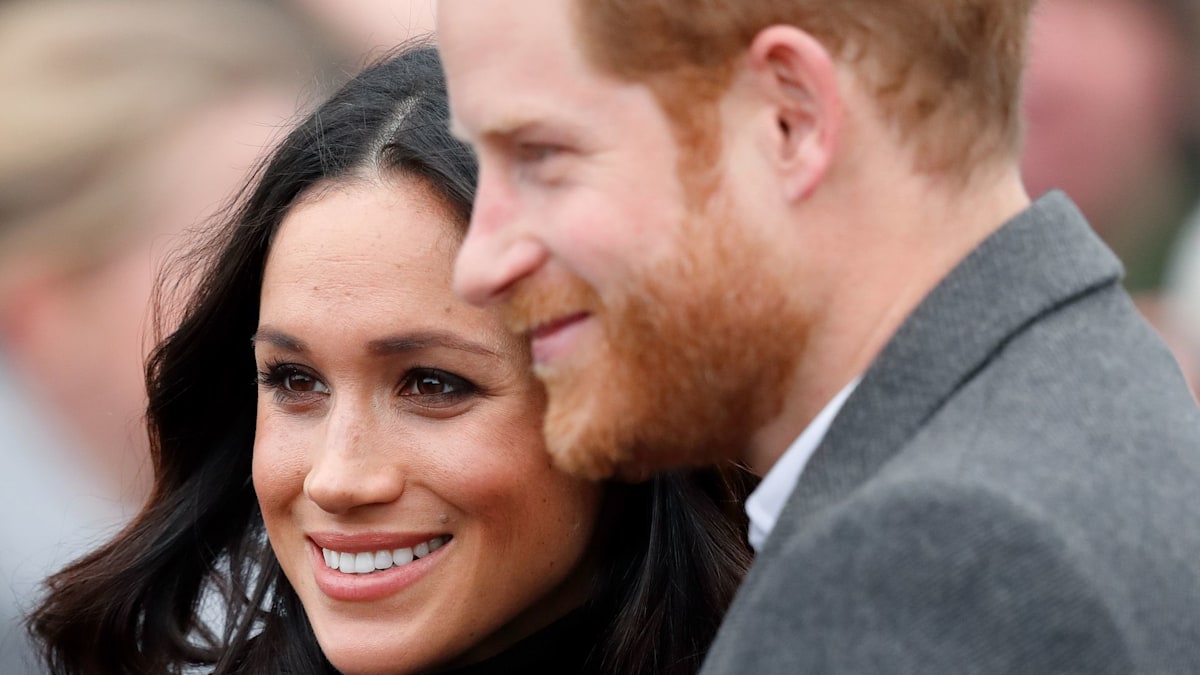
<point x="449" y="309"/>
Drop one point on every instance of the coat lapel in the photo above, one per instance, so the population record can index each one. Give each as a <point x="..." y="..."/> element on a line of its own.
<point x="1043" y="258"/>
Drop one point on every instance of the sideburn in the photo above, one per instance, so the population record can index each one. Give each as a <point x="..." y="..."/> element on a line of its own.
<point x="697" y="357"/>
<point x="689" y="98"/>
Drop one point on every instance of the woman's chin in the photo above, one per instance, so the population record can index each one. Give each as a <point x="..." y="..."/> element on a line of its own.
<point x="366" y="660"/>
<point x="387" y="653"/>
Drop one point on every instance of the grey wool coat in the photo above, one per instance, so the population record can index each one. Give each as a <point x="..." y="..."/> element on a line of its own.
<point x="1014" y="487"/>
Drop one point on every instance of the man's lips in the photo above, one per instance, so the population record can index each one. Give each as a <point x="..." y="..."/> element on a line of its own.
<point x="552" y="339"/>
<point x="548" y="328"/>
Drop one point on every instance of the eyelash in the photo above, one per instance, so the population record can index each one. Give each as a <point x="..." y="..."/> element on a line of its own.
<point x="461" y="388"/>
<point x="276" y="378"/>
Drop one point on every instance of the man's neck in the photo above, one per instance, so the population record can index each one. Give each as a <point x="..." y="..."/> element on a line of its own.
<point x="903" y="246"/>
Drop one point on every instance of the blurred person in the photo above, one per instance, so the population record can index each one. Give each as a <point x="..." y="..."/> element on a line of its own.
<point x="382" y="502"/>
<point x="1111" y="99"/>
<point x="1111" y="104"/>
<point x="794" y="232"/>
<point x="124" y="123"/>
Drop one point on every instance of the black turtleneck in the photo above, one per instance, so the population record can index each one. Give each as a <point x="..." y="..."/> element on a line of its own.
<point x="564" y="646"/>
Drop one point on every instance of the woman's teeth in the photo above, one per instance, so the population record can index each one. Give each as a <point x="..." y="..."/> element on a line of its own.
<point x="365" y="563"/>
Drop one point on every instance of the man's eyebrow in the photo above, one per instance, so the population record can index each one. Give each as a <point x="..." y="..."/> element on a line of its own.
<point x="423" y="340"/>
<point x="279" y="339"/>
<point x="503" y="128"/>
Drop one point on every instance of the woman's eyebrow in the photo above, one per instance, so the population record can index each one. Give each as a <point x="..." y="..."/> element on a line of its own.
<point x="424" y="340"/>
<point x="396" y="344"/>
<point x="279" y="339"/>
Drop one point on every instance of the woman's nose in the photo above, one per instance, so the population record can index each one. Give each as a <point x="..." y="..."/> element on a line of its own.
<point x="355" y="465"/>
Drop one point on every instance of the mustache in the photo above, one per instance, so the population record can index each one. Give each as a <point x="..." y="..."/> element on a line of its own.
<point x="535" y="302"/>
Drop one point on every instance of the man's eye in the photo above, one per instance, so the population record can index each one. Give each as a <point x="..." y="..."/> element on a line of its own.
<point x="533" y="153"/>
<point x="428" y="382"/>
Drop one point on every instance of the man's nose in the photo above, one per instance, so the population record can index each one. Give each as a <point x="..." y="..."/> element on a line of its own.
<point x="355" y="466"/>
<point x="500" y="248"/>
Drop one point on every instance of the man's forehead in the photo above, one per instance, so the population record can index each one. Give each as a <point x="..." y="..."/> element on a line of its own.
<point x="514" y="72"/>
<point x="476" y="115"/>
<point x="483" y="24"/>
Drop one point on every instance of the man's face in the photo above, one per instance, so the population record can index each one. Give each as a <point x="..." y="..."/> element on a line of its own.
<point x="661" y="335"/>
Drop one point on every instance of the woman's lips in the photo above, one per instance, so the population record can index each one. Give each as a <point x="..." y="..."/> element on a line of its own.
<point x="362" y="575"/>
<point x="553" y="339"/>
<point x="370" y="541"/>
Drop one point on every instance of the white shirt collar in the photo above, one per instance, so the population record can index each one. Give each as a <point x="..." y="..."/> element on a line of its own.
<point x="767" y="501"/>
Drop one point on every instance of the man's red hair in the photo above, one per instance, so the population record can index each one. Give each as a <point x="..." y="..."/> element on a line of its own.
<point x="945" y="73"/>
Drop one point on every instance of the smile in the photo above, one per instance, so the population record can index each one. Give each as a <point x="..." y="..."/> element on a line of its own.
<point x="553" y="339"/>
<point x="368" y="562"/>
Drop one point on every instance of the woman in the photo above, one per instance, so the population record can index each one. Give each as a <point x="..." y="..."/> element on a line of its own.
<point x="412" y="520"/>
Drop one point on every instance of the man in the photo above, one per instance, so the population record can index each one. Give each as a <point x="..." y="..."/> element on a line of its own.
<point x="793" y="233"/>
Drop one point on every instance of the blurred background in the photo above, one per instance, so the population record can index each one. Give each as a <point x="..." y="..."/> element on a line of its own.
<point x="1111" y="103"/>
<point x="126" y="127"/>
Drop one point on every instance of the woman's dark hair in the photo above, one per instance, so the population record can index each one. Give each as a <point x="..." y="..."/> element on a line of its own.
<point x="669" y="564"/>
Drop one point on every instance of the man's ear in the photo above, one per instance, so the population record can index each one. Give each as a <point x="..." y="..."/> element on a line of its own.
<point x="797" y="76"/>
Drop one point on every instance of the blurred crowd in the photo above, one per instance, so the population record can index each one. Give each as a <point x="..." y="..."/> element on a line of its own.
<point x="1111" y="103"/>
<point x="128" y="124"/>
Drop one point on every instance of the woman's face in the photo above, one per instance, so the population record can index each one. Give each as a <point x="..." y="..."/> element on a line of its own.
<point x="398" y="457"/>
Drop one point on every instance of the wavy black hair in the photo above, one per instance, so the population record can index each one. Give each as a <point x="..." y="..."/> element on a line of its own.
<point x="670" y="560"/>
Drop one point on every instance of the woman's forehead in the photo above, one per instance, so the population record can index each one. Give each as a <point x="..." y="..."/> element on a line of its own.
<point x="370" y="258"/>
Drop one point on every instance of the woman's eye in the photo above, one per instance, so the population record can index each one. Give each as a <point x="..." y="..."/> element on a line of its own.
<point x="290" y="380"/>
<point x="304" y="384"/>
<point x="428" y="382"/>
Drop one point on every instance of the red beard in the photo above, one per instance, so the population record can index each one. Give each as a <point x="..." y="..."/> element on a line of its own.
<point x="695" y="357"/>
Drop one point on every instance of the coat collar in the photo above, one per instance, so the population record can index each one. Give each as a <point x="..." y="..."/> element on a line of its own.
<point x="1042" y="258"/>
